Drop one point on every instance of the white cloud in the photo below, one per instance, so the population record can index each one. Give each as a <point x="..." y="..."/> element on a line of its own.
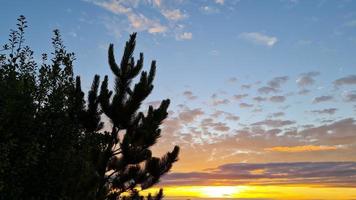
<point x="173" y="15"/>
<point x="259" y="38"/>
<point x="184" y="36"/>
<point x="137" y="21"/>
<point x="221" y="2"/>
<point x="208" y="10"/>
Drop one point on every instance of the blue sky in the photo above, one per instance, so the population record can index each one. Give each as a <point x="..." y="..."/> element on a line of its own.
<point x="249" y="80"/>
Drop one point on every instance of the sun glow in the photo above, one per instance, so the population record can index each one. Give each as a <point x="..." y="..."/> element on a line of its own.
<point x="221" y="191"/>
<point x="296" y="192"/>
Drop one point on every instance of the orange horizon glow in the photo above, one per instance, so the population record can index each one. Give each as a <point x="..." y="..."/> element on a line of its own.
<point x="277" y="192"/>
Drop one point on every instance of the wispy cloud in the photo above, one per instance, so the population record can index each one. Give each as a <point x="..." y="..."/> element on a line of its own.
<point x="298" y="149"/>
<point x="329" y="174"/>
<point x="259" y="38"/>
<point x="184" y="36"/>
<point x="143" y="21"/>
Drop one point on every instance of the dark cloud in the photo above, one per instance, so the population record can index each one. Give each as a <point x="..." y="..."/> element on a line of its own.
<point x="347" y="80"/>
<point x="332" y="174"/>
<point x="329" y="111"/>
<point x="306" y="79"/>
<point x="277" y="99"/>
<point x="322" y="99"/>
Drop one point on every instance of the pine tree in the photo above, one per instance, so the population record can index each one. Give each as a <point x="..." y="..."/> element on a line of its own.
<point x="128" y="164"/>
<point x="52" y="143"/>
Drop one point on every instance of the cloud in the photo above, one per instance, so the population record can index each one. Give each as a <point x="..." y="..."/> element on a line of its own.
<point x="274" y="123"/>
<point x="298" y="149"/>
<point x="209" y="10"/>
<point x="245" y="105"/>
<point x="322" y="99"/>
<point x="347" y="80"/>
<point x="329" y="174"/>
<point x="351" y="23"/>
<point x="246" y="86"/>
<point x="277" y="114"/>
<point x="174" y="15"/>
<point x="277" y="99"/>
<point x="240" y="96"/>
<point x="189" y="115"/>
<point x="221" y="2"/>
<point x="189" y="95"/>
<point x="184" y="36"/>
<point x="306" y="79"/>
<point x="138" y="20"/>
<point x="217" y="102"/>
<point x="350" y="96"/>
<point x="259" y="99"/>
<point x="267" y="90"/>
<point x="277" y="81"/>
<point x="232" y="80"/>
<point x="303" y="92"/>
<point x="259" y="38"/>
<point x="329" y="111"/>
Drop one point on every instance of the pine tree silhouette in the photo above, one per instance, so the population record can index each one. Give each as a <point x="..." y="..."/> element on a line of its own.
<point x="51" y="141"/>
<point x="120" y="166"/>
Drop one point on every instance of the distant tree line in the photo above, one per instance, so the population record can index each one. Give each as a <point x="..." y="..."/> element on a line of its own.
<point x="52" y="141"/>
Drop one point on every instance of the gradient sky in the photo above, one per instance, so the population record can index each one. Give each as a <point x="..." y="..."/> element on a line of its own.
<point x="263" y="92"/>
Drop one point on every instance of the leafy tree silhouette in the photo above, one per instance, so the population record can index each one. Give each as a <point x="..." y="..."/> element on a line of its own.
<point x="52" y="143"/>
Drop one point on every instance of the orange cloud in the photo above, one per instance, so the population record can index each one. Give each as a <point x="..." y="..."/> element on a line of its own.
<point x="297" y="149"/>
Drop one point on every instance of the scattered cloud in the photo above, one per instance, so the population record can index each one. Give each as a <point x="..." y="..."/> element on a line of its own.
<point x="209" y="10"/>
<point x="322" y="99"/>
<point x="245" y="105"/>
<point x="189" y="115"/>
<point x="267" y="90"/>
<point x="277" y="99"/>
<point x="329" y="111"/>
<point x="298" y="149"/>
<point x="217" y="102"/>
<point x="347" y="80"/>
<point x="259" y="99"/>
<point x="189" y="95"/>
<point x="274" y="123"/>
<point x="350" y="96"/>
<point x="277" y="81"/>
<point x="184" y="36"/>
<point x="240" y="96"/>
<point x="332" y="174"/>
<point x="221" y="2"/>
<point x="306" y="79"/>
<point x="259" y="38"/>
<point x="174" y="15"/>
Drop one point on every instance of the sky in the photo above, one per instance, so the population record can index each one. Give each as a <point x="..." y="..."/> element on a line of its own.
<point x="263" y="92"/>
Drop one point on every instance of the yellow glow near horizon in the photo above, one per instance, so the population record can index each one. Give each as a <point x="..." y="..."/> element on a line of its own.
<point x="274" y="192"/>
<point x="221" y="191"/>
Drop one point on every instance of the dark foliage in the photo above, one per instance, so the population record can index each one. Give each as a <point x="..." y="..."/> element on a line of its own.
<point x="52" y="143"/>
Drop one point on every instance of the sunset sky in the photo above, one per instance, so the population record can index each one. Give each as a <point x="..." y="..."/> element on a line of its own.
<point x="263" y="92"/>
